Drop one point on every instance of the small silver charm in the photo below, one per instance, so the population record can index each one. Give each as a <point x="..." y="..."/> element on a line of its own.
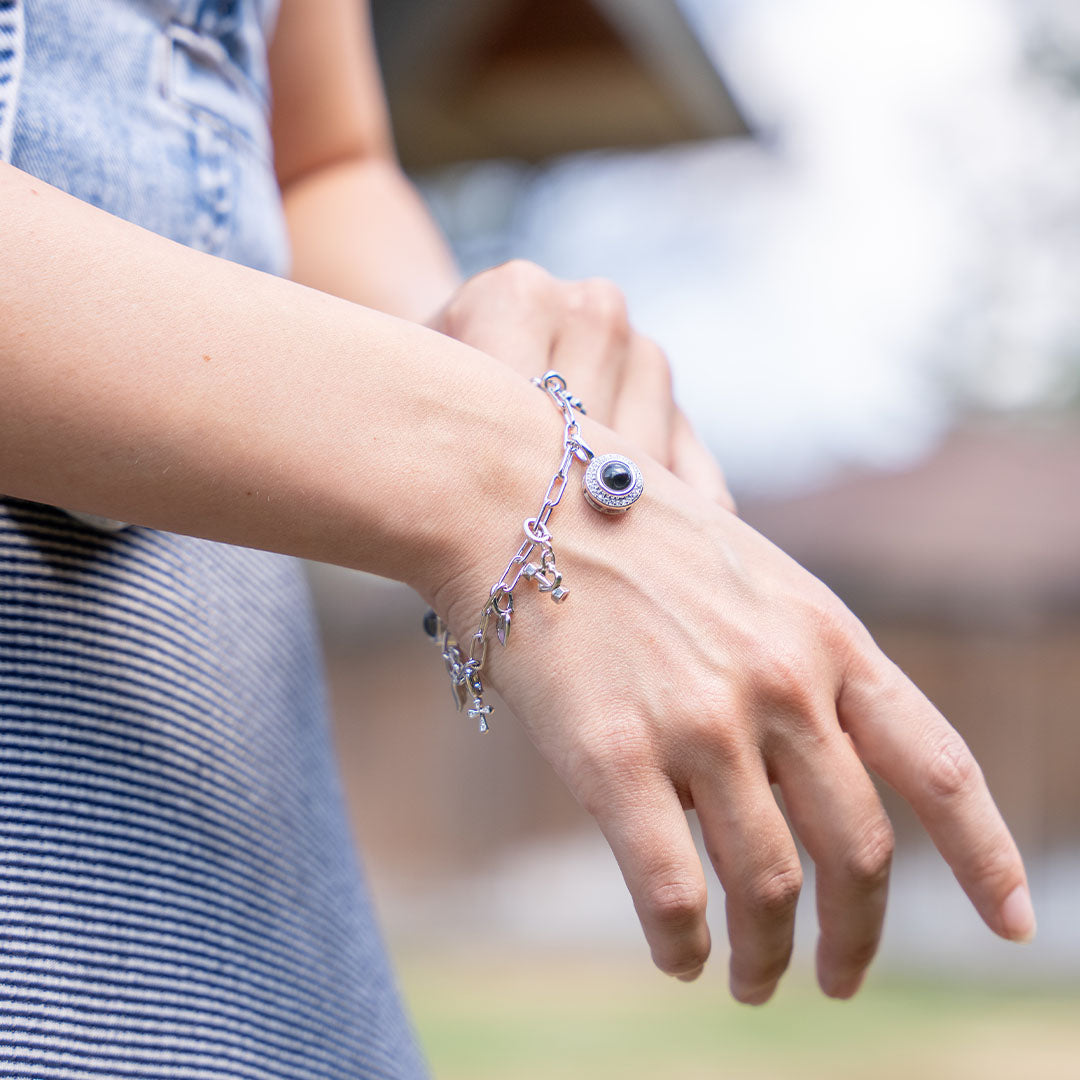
<point x="457" y="689"/>
<point x="502" y="624"/>
<point x="451" y="664"/>
<point x="548" y="580"/>
<point x="481" y="712"/>
<point x="555" y="587"/>
<point x="612" y="483"/>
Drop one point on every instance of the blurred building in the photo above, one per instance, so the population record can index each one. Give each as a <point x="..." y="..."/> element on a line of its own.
<point x="479" y="79"/>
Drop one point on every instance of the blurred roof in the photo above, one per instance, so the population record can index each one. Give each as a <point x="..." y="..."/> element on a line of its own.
<point x="987" y="529"/>
<point x="471" y="79"/>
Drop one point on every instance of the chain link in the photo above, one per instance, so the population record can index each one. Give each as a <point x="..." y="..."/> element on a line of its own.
<point x="464" y="670"/>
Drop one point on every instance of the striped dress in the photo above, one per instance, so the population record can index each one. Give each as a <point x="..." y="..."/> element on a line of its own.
<point x="177" y="892"/>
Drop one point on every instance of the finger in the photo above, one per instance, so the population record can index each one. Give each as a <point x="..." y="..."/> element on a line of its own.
<point x="755" y="858"/>
<point x="693" y="462"/>
<point x="907" y="742"/>
<point x="835" y="809"/>
<point x="644" y="409"/>
<point x="647" y="830"/>
<point x="510" y="312"/>
<point x="591" y="343"/>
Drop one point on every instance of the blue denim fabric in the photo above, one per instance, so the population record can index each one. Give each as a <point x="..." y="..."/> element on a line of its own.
<point x="178" y="892"/>
<point x="157" y="112"/>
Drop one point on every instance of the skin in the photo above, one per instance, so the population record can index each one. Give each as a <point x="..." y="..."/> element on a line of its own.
<point x="359" y="230"/>
<point x="694" y="663"/>
<point x="533" y="322"/>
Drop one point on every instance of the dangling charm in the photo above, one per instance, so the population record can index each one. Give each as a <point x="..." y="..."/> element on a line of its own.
<point x="612" y="483"/>
<point x="458" y="691"/>
<point x="481" y="712"/>
<point x="547" y="579"/>
<point x="453" y="658"/>
<point x="433" y="625"/>
<point x="502" y="624"/>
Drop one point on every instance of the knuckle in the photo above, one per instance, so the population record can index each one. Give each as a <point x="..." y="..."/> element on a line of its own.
<point x="869" y="861"/>
<point x="455" y="315"/>
<point x="659" y="365"/>
<point x="787" y="678"/>
<point x="604" y="304"/>
<point x="674" y="904"/>
<point x="837" y="628"/>
<point x="709" y="741"/>
<point x="838" y="635"/>
<point x="776" y="892"/>
<point x="714" y="731"/>
<point x="952" y="769"/>
<point x="523" y="278"/>
<point x="649" y="365"/>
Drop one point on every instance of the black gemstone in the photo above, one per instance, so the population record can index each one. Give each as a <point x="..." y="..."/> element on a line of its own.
<point x="431" y="624"/>
<point x="615" y="476"/>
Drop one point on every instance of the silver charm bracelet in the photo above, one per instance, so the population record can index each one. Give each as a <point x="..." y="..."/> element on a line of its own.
<point x="611" y="484"/>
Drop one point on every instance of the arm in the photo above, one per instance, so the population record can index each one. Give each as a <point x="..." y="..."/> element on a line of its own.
<point x="359" y="230"/>
<point x="137" y="385"/>
<point x="357" y="226"/>
<point x="695" y="665"/>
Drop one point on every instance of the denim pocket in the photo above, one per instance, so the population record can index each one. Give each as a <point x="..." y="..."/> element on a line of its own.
<point x="223" y="108"/>
<point x="202" y="77"/>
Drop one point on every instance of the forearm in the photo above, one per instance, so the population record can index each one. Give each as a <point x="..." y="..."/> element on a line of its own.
<point x="152" y="383"/>
<point x="359" y="230"/>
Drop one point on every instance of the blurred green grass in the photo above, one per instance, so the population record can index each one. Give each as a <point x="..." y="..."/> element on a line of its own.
<point x="521" y="1018"/>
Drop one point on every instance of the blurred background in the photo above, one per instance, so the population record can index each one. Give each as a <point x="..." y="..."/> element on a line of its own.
<point x="856" y="229"/>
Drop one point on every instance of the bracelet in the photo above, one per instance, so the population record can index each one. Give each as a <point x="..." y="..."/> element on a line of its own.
<point x="611" y="484"/>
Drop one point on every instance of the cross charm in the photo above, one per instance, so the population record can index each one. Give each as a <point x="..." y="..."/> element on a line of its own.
<point x="480" y="711"/>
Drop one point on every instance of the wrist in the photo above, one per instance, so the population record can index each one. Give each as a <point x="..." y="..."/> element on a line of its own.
<point x="611" y="483"/>
<point x="496" y="479"/>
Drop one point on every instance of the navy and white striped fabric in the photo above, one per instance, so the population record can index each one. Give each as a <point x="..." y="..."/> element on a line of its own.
<point x="178" y="894"/>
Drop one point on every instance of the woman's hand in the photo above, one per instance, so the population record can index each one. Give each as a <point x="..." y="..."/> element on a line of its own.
<point x="694" y="665"/>
<point x="520" y="314"/>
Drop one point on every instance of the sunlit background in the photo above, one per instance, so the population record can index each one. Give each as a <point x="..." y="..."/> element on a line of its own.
<point x="855" y="227"/>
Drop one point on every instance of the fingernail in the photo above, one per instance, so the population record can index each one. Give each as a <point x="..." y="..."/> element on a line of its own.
<point x="690" y="976"/>
<point x="1018" y="916"/>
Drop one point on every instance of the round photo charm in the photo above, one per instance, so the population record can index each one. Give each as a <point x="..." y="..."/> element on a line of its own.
<point x="612" y="483"/>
